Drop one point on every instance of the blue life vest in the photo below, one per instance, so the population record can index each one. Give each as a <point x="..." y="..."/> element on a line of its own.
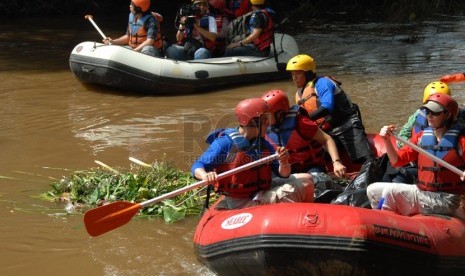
<point x="421" y="122"/>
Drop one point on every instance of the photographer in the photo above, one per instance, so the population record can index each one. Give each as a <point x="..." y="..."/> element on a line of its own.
<point x="196" y="34"/>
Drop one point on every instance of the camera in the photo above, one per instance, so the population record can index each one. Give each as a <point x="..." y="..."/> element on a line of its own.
<point x="190" y="12"/>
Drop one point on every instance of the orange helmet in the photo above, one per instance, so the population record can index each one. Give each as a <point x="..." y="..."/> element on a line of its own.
<point x="277" y="100"/>
<point x="250" y="109"/>
<point x="144" y="5"/>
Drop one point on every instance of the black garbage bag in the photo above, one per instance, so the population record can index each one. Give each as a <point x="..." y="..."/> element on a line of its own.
<point x="355" y="194"/>
<point x="326" y="188"/>
<point x="407" y="174"/>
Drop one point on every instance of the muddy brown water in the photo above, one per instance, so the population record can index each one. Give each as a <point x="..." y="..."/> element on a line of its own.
<point x="51" y="125"/>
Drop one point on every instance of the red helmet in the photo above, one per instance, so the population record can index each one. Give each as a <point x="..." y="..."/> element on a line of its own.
<point x="446" y="101"/>
<point x="250" y="109"/>
<point x="277" y="100"/>
<point x="218" y="4"/>
<point x="144" y="5"/>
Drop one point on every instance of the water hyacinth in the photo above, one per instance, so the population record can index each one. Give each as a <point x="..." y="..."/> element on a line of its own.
<point x="84" y="190"/>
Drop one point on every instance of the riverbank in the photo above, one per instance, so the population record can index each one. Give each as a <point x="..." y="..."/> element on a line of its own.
<point x="332" y="10"/>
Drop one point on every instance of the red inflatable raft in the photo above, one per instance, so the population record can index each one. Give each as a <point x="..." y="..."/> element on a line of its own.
<point x="327" y="239"/>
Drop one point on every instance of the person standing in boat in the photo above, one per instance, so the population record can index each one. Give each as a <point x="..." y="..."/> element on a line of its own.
<point x="415" y="123"/>
<point x="234" y="147"/>
<point x="196" y="35"/>
<point x="290" y="127"/>
<point x="258" y="42"/>
<point x="143" y="33"/>
<point x="330" y="107"/>
<point x="438" y="189"/>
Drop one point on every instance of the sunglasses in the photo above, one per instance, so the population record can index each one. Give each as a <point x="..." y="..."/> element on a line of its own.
<point x="428" y="112"/>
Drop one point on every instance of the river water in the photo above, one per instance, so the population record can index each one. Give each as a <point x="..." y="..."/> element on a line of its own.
<point x="52" y="125"/>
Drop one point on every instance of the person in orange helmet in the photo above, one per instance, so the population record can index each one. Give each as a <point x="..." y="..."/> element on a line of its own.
<point x="143" y="33"/>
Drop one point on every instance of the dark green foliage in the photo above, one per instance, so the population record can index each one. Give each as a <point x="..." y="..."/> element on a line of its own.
<point x="84" y="190"/>
<point x="331" y="10"/>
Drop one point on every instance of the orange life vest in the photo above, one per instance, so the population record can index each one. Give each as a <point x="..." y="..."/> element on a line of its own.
<point x="432" y="176"/>
<point x="343" y="110"/>
<point x="138" y="34"/>
<point x="310" y="101"/>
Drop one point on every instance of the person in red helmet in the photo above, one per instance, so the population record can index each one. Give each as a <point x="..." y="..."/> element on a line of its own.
<point x="143" y="33"/>
<point x="438" y="189"/>
<point x="291" y="128"/>
<point x="234" y="147"/>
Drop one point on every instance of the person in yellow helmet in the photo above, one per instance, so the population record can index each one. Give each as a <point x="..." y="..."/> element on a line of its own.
<point x="260" y="37"/>
<point x="143" y="32"/>
<point x="330" y="107"/>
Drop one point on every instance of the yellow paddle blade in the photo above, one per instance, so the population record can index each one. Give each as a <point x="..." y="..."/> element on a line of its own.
<point x="108" y="217"/>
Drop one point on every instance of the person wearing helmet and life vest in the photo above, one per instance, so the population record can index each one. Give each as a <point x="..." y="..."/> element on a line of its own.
<point x="217" y="9"/>
<point x="438" y="189"/>
<point x="143" y="33"/>
<point x="233" y="147"/>
<point x="292" y="129"/>
<point x="196" y="35"/>
<point x="260" y="36"/>
<point x="416" y="123"/>
<point x="330" y="107"/>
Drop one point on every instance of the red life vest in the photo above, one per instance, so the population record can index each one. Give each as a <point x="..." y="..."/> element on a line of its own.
<point x="243" y="184"/>
<point x="265" y="38"/>
<point x="304" y="154"/>
<point x="432" y="176"/>
<point x="138" y="34"/>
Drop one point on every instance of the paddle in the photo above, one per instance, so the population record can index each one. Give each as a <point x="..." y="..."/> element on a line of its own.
<point x="111" y="216"/>
<point x="106" y="166"/>
<point x="89" y="17"/>
<point x="424" y="152"/>
<point x="138" y="162"/>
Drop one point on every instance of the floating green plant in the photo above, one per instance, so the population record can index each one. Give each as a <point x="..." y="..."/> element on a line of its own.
<point x="87" y="189"/>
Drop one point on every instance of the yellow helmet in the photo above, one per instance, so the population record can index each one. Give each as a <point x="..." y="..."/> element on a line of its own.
<point x="301" y="62"/>
<point x="435" y="87"/>
<point x="257" y="2"/>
